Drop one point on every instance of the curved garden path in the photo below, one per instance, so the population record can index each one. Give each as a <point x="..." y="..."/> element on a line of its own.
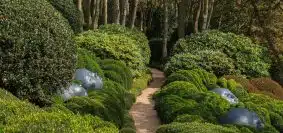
<point x="145" y="117"/>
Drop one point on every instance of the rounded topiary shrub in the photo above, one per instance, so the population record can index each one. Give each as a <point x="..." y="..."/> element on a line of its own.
<point x="249" y="58"/>
<point x="195" y="127"/>
<point x="36" y="49"/>
<point x="70" y="12"/>
<point x="114" y="46"/>
<point x="138" y="36"/>
<point x="212" y="61"/>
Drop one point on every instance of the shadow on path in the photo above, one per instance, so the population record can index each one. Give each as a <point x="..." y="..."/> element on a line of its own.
<point x="145" y="117"/>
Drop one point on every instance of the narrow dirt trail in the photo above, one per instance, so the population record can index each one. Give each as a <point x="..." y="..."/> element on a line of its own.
<point x="145" y="117"/>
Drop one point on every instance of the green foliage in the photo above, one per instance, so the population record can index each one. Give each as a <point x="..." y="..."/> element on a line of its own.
<point x="236" y="89"/>
<point x="248" y="58"/>
<point x="180" y="88"/>
<point x="120" y="69"/>
<point x="127" y="130"/>
<point x="195" y="127"/>
<point x="70" y="12"/>
<point x="138" y="36"/>
<point x="200" y="78"/>
<point x="186" y="118"/>
<point x="114" y="46"/>
<point x="13" y="107"/>
<point x="114" y="76"/>
<point x="36" y="49"/>
<point x="4" y="94"/>
<point x="210" y="60"/>
<point x="140" y="83"/>
<point x="58" y="122"/>
<point x="89" y="61"/>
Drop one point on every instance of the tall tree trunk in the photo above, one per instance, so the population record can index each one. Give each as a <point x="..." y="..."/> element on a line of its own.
<point x="87" y="13"/>
<point x="96" y="12"/>
<point x="205" y="14"/>
<point x="115" y="12"/>
<point x="134" y="13"/>
<point x="124" y="5"/>
<point x="105" y="11"/>
<point x="141" y="21"/>
<point x="181" y="18"/>
<point x="210" y="13"/>
<point x="164" y="48"/>
<point x="80" y="8"/>
<point x="197" y="17"/>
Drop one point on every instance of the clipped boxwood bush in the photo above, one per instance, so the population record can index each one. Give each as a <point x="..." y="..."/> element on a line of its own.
<point x="36" y="49"/>
<point x="186" y="118"/>
<point x="248" y="57"/>
<point x="58" y="122"/>
<point x="70" y="12"/>
<point x="89" y="61"/>
<point x="195" y="127"/>
<point x="212" y="61"/>
<point x="138" y="36"/>
<point x="115" y="46"/>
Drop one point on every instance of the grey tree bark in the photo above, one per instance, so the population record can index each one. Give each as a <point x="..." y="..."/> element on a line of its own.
<point x="105" y="11"/>
<point x="210" y="13"/>
<point x="87" y="13"/>
<point x="197" y="17"/>
<point x="96" y="13"/>
<point x="181" y="18"/>
<point x="133" y="13"/>
<point x="205" y="14"/>
<point x="165" y="36"/>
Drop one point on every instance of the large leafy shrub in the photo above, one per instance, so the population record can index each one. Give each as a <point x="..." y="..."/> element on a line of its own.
<point x="89" y="61"/>
<point x="138" y="36"/>
<point x="70" y="12"/>
<point x="118" y="68"/>
<point x="114" y="46"/>
<point x="36" y="49"/>
<point x="212" y="61"/>
<point x="248" y="57"/>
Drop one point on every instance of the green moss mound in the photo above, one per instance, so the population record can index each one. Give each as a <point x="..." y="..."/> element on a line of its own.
<point x="70" y="12"/>
<point x="37" y="50"/>
<point x="113" y="46"/>
<point x="249" y="58"/>
<point x="138" y="36"/>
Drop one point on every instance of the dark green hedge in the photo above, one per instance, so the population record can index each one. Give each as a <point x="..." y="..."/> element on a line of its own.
<point x="36" y="49"/>
<point x="70" y="12"/>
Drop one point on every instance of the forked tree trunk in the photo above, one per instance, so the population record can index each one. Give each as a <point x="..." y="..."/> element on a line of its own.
<point x="210" y="13"/>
